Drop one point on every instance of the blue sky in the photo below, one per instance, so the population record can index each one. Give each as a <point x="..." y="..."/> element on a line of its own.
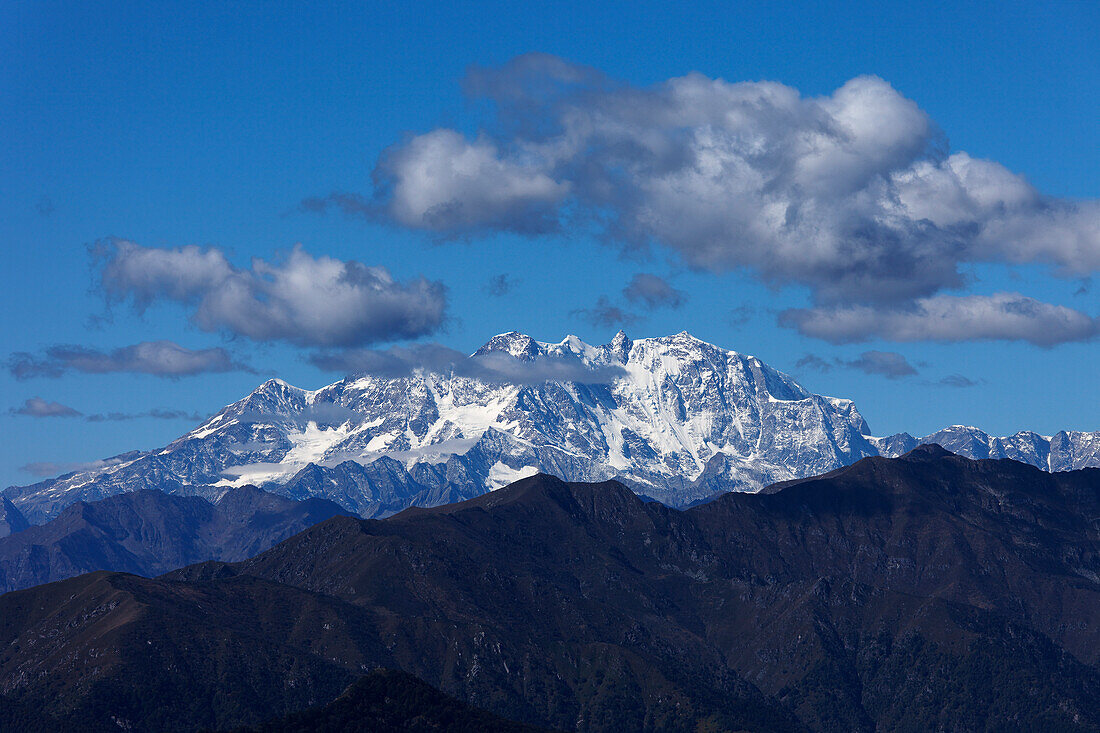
<point x="170" y="127"/>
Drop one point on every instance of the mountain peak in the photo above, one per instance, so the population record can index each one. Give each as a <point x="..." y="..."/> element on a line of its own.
<point x="927" y="452"/>
<point x="686" y="340"/>
<point x="544" y="490"/>
<point x="620" y="347"/>
<point x="277" y="386"/>
<point x="514" y="343"/>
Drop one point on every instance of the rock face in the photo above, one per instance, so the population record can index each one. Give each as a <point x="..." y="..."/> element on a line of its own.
<point x="928" y="592"/>
<point x="150" y="532"/>
<point x="674" y="418"/>
<point x="11" y="519"/>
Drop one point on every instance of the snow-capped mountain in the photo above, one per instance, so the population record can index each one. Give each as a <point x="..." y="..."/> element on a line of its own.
<point x="675" y="418"/>
<point x="1065" y="451"/>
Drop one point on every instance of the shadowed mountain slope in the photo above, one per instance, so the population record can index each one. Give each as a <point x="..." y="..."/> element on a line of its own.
<point x="920" y="593"/>
<point x="11" y="519"/>
<point x="150" y="532"/>
<point x="387" y="701"/>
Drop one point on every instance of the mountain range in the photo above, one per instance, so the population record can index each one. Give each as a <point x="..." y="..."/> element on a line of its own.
<point x="674" y="418"/>
<point x="149" y="532"/>
<point x="927" y="592"/>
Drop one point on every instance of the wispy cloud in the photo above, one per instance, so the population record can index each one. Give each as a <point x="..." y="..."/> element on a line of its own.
<point x="888" y="364"/>
<point x="154" y="414"/>
<point x="1003" y="316"/>
<point x="740" y="315"/>
<point x="605" y="314"/>
<point x="397" y="362"/>
<point x="158" y="358"/>
<point x="500" y="285"/>
<point x="349" y="204"/>
<point x="38" y="407"/>
<point x="815" y="362"/>
<point x="42" y="469"/>
<point x="958" y="381"/>
<point x="653" y="292"/>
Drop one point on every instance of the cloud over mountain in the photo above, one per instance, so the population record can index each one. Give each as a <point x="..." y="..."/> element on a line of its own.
<point x="853" y="195"/>
<point x="403" y="361"/>
<point x="303" y="300"/>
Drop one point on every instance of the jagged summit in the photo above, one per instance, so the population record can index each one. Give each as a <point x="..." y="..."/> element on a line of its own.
<point x="526" y="348"/>
<point x="673" y="417"/>
<point x="514" y="343"/>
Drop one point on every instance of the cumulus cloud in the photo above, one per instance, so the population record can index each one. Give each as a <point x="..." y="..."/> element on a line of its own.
<point x="303" y="300"/>
<point x="159" y="358"/>
<point x="606" y="314"/>
<point x="852" y="194"/>
<point x="444" y="182"/>
<point x="1002" y="316"/>
<point x="38" y="407"/>
<point x="653" y="292"/>
<point x="884" y="363"/>
<point x="500" y="285"/>
<point x="402" y="361"/>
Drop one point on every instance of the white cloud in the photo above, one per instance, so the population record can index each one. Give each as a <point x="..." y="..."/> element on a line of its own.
<point x="850" y="194"/>
<point x="304" y="300"/>
<point x="1002" y="316"/>
<point x="443" y="182"/>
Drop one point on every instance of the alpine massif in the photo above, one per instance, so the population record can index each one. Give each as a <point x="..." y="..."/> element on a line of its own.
<point x="674" y="418"/>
